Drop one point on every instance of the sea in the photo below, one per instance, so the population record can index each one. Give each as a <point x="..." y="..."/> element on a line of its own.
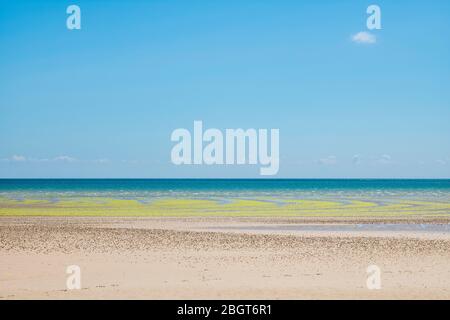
<point x="410" y="189"/>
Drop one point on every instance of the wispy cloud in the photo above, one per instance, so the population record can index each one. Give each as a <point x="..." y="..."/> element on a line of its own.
<point x="16" y="158"/>
<point x="330" y="160"/>
<point x="58" y="159"/>
<point x="364" y="37"/>
<point x="20" y="158"/>
<point x="385" y="159"/>
<point x="101" y="161"/>
<point x="65" y="159"/>
<point x="356" y="159"/>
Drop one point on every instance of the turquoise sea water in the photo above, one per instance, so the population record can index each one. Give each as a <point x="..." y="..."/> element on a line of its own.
<point x="228" y="188"/>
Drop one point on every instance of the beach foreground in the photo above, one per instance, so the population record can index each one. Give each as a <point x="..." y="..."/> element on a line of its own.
<point x="223" y="258"/>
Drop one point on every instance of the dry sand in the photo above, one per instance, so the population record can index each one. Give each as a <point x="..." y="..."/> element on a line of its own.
<point x="221" y="258"/>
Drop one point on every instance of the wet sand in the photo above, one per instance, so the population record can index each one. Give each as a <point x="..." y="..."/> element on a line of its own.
<point x="221" y="258"/>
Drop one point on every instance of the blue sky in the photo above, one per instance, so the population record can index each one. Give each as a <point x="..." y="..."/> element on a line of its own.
<point x="103" y="101"/>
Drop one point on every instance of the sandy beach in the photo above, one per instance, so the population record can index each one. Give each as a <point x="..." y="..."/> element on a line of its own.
<point x="224" y="258"/>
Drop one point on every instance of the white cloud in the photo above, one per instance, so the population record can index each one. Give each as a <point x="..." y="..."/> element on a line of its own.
<point x="61" y="158"/>
<point x="385" y="159"/>
<point x="330" y="160"/>
<point x="356" y="159"/>
<point x="101" y="161"/>
<point x="17" y="158"/>
<point x="135" y="162"/>
<point x="364" y="37"/>
<point x="64" y="159"/>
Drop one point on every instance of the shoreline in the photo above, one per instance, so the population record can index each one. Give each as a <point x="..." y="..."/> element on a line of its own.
<point x="181" y="258"/>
